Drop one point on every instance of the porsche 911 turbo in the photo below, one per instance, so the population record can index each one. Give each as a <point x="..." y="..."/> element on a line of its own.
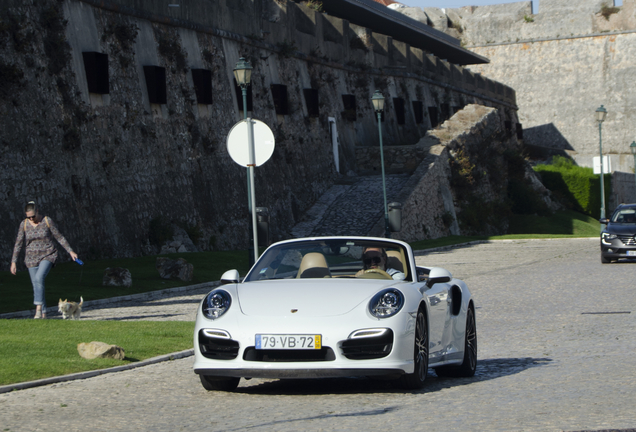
<point x="335" y="307"/>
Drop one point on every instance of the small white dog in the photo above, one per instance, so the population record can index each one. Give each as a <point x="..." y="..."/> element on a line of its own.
<point x="70" y="309"/>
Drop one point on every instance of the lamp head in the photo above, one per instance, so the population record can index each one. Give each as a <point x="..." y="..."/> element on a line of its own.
<point x="378" y="101"/>
<point x="243" y="72"/>
<point x="601" y="113"/>
<point x="632" y="147"/>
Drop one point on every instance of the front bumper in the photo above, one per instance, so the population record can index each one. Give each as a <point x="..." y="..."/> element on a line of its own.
<point x="235" y="355"/>
<point x="616" y="249"/>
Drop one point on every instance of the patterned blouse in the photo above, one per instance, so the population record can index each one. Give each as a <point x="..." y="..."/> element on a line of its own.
<point x="39" y="242"/>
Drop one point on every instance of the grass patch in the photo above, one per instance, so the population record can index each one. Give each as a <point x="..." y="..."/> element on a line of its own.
<point x="564" y="224"/>
<point x="70" y="281"/>
<point x="32" y="349"/>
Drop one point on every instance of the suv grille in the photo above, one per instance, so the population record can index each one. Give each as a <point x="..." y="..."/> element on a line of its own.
<point x="628" y="240"/>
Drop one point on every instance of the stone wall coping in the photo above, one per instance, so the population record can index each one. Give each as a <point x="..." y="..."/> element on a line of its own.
<point x="522" y="41"/>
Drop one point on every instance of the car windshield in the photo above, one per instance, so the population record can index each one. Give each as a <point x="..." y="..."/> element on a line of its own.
<point x="331" y="258"/>
<point x="625" y="216"/>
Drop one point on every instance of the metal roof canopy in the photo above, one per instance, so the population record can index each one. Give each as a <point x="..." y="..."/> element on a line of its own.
<point x="383" y="20"/>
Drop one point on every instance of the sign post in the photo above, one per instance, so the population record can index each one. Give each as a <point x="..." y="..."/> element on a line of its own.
<point x="251" y="143"/>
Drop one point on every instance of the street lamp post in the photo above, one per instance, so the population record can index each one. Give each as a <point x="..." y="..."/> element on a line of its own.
<point x="243" y="76"/>
<point x="601" y="113"/>
<point x="378" y="106"/>
<point x="632" y="147"/>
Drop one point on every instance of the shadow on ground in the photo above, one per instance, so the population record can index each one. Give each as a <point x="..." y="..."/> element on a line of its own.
<point x="487" y="369"/>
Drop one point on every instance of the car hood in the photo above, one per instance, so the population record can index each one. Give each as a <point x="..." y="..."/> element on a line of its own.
<point x="621" y="229"/>
<point x="309" y="297"/>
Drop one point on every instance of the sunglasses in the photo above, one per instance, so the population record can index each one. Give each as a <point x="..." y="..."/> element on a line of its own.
<point x="31" y="217"/>
<point x="376" y="260"/>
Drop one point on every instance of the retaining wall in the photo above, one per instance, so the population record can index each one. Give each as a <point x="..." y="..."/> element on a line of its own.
<point x="103" y="165"/>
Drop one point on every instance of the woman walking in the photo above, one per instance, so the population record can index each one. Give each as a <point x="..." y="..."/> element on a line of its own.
<point x="40" y="253"/>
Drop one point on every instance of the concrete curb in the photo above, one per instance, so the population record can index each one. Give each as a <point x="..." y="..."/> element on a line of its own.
<point x="150" y="295"/>
<point x="90" y="374"/>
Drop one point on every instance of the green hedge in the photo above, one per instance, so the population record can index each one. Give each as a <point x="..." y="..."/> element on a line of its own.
<point x="576" y="187"/>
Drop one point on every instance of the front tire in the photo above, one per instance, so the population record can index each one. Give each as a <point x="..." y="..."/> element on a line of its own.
<point x="416" y="380"/>
<point x="211" y="383"/>
<point x="469" y="365"/>
<point x="605" y="260"/>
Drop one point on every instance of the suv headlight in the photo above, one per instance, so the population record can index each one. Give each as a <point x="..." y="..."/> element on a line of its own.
<point x="216" y="303"/>
<point x="607" y="237"/>
<point x="386" y="303"/>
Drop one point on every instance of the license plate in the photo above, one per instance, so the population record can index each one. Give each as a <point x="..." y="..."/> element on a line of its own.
<point x="631" y="253"/>
<point x="288" y="341"/>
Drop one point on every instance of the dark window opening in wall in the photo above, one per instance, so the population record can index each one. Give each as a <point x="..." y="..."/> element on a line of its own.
<point x="418" y="112"/>
<point x="156" y="84"/>
<point x="311" y="100"/>
<point x="446" y="112"/>
<point x="508" y="125"/>
<point x="279" y="94"/>
<point x="239" y="96"/>
<point x="398" y="103"/>
<point x="519" y="131"/>
<point x="96" y="67"/>
<point x="202" y="79"/>
<point x="349" y="102"/>
<point x="434" y="116"/>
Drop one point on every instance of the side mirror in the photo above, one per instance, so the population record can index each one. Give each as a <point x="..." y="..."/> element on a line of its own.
<point x="230" y="276"/>
<point x="438" y="275"/>
<point x="604" y="221"/>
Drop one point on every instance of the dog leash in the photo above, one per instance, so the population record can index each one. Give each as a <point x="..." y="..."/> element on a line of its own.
<point x="81" y="263"/>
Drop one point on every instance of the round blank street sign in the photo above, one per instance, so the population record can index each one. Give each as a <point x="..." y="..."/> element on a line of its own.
<point x="238" y="145"/>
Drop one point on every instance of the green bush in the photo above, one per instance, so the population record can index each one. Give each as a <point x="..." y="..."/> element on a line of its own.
<point x="577" y="187"/>
<point x="522" y="197"/>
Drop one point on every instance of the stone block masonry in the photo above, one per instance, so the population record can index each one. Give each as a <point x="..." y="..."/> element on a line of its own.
<point x="564" y="62"/>
<point x="105" y="163"/>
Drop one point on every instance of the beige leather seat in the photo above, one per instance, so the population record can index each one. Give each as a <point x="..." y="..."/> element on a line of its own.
<point x="396" y="261"/>
<point x="313" y="265"/>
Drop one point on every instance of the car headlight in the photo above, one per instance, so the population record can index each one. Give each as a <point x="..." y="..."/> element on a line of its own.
<point x="386" y="303"/>
<point x="216" y="303"/>
<point x="607" y="237"/>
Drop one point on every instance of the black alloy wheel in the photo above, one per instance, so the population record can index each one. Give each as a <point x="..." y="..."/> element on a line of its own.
<point x="211" y="383"/>
<point x="416" y="380"/>
<point x="469" y="365"/>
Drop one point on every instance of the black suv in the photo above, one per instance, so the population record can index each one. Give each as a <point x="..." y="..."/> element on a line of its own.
<point x="618" y="238"/>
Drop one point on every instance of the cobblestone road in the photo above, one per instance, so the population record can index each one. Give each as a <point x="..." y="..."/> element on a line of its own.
<point x="556" y="353"/>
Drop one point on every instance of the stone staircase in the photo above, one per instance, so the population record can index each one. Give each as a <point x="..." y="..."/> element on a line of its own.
<point x="353" y="206"/>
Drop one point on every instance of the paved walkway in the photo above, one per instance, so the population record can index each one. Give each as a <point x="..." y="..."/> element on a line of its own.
<point x="350" y="209"/>
<point x="556" y="353"/>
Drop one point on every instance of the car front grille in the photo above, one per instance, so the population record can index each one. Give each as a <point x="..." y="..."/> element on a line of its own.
<point x="368" y="347"/>
<point x="273" y="355"/>
<point x="218" y="348"/>
<point x="628" y="240"/>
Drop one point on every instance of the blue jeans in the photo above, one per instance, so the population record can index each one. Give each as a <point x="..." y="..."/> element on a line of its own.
<point x="38" y="274"/>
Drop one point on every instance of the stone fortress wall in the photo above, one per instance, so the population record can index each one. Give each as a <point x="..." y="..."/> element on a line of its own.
<point x="107" y="162"/>
<point x="564" y="62"/>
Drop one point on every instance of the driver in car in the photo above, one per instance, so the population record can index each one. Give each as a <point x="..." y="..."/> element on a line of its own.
<point x="375" y="258"/>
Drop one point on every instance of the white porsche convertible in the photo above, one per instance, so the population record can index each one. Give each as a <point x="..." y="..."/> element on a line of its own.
<point x="335" y="307"/>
